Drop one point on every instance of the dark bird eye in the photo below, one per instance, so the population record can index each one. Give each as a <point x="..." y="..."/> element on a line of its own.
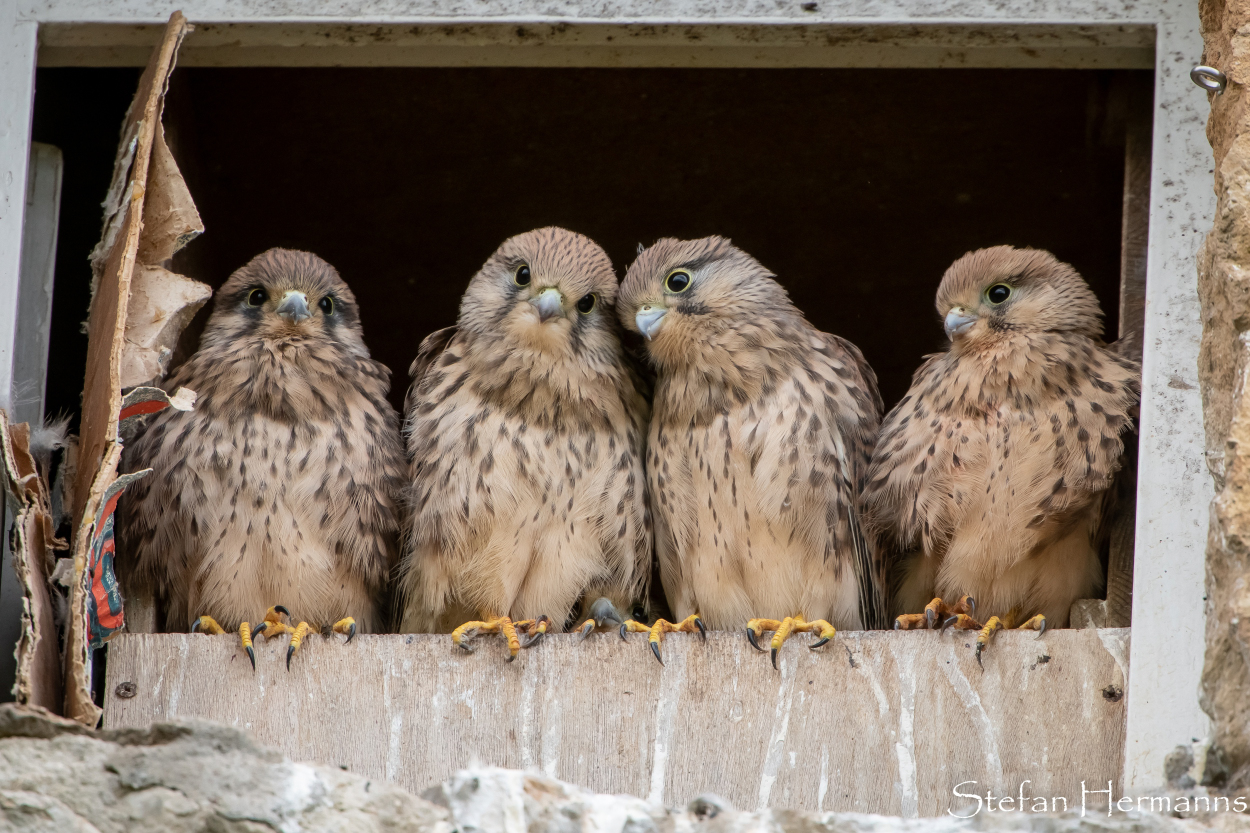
<point x="522" y="276"/>
<point x="998" y="293"/>
<point x="586" y="304"/>
<point x="327" y="305"/>
<point x="678" y="281"/>
<point x="257" y="297"/>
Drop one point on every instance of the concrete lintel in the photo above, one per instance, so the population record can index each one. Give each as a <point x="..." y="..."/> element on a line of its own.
<point x="1101" y="46"/>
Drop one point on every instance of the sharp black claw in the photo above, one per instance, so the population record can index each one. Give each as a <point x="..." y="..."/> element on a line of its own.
<point x="1040" y="631"/>
<point x="775" y="659"/>
<point x="948" y="623"/>
<point x="818" y="643"/>
<point x="259" y="629"/>
<point x="751" y="638"/>
<point x="972" y="603"/>
<point x="533" y="640"/>
<point x="351" y="632"/>
<point x="195" y="626"/>
<point x="586" y="630"/>
<point x="622" y="632"/>
<point x="702" y="630"/>
<point x="252" y="656"/>
<point x="930" y="617"/>
<point x="282" y="610"/>
<point x="511" y="657"/>
<point x="655" y="649"/>
<point x="979" y="647"/>
<point x="898" y="626"/>
<point x="290" y="652"/>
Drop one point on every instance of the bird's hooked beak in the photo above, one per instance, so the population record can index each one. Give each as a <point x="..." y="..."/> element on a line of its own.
<point x="958" y="322"/>
<point x="648" y="320"/>
<point x="549" y="304"/>
<point x="294" y="306"/>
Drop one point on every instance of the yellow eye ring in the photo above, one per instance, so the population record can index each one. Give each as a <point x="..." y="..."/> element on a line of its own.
<point x="998" y="293"/>
<point x="522" y="275"/>
<point x="678" y="281"/>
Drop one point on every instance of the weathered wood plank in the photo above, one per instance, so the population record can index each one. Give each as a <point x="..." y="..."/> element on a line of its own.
<point x="875" y="722"/>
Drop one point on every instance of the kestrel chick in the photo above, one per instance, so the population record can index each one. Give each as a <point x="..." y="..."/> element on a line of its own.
<point x="991" y="476"/>
<point x="525" y="428"/>
<point x="283" y="484"/>
<point x="761" y="434"/>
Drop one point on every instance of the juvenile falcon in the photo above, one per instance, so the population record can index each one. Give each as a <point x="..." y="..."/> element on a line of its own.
<point x="283" y="485"/>
<point x="761" y="434"/>
<point x="991" y="477"/>
<point x="525" y="427"/>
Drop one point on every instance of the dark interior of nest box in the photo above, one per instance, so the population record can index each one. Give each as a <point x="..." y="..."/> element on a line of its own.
<point x="856" y="187"/>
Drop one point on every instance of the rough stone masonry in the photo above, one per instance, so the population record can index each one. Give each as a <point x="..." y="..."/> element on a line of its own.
<point x="56" y="775"/>
<point x="1224" y="288"/>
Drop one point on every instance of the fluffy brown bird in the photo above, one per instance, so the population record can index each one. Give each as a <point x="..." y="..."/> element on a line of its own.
<point x="761" y="434"/>
<point x="283" y="485"/>
<point x="991" y="477"/>
<point x="525" y="427"/>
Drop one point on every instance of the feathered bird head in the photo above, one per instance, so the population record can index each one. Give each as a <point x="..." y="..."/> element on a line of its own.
<point x="697" y="300"/>
<point x="549" y="292"/>
<point x="992" y="292"/>
<point x="285" y="296"/>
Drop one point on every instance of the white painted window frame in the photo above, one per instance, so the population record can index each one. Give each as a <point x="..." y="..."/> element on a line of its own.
<point x="1174" y="489"/>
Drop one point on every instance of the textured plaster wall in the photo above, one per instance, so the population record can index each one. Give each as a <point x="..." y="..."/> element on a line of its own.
<point x="1224" y="286"/>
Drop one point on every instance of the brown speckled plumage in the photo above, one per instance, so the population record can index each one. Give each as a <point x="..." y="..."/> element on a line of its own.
<point x="761" y="434"/>
<point x="283" y="485"/>
<point x="991" y="476"/>
<point x="526" y="440"/>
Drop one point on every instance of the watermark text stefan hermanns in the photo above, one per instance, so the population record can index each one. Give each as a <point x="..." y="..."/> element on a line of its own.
<point x="1091" y="800"/>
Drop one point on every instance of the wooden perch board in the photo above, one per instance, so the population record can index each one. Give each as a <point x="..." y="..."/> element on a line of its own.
<point x="878" y="722"/>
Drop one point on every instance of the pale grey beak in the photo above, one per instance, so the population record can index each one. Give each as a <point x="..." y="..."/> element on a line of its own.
<point x="648" y="320"/>
<point x="294" y="306"/>
<point x="549" y="303"/>
<point x="958" y="322"/>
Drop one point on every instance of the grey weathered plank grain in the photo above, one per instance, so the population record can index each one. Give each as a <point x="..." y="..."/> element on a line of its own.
<point x="875" y="722"/>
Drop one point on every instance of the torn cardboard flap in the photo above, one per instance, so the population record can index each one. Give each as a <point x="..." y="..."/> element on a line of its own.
<point x="161" y="303"/>
<point x="146" y="188"/>
<point x="161" y="306"/>
<point x="38" y="681"/>
<point x="170" y="218"/>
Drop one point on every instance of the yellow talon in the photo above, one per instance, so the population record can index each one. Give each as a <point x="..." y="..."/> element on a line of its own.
<point x="783" y="629"/>
<point x="245" y="636"/>
<point x="533" y="629"/>
<point x="297" y="637"/>
<point x="655" y="633"/>
<point x="992" y="625"/>
<point x="346" y="625"/>
<point x="1037" y="623"/>
<point x="208" y="625"/>
<point x="273" y="625"/>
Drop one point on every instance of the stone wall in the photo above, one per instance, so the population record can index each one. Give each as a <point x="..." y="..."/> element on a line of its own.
<point x="1224" y="287"/>
<point x="58" y="777"/>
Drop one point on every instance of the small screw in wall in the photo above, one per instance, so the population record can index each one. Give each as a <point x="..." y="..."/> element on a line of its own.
<point x="1209" y="78"/>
